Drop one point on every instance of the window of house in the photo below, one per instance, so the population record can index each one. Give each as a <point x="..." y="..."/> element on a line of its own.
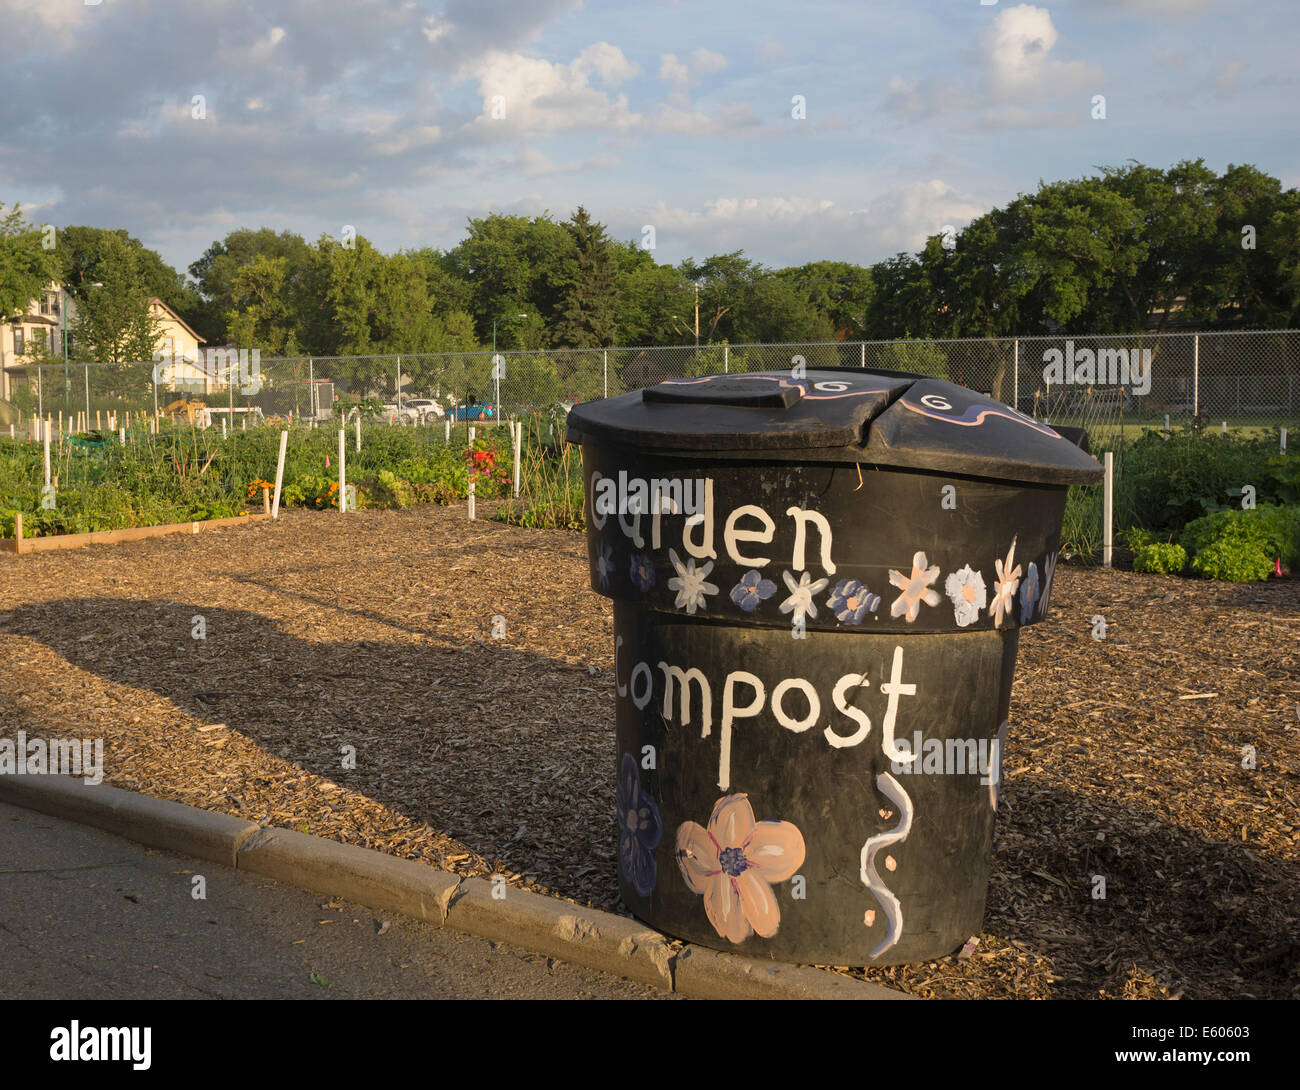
<point x="38" y="340"/>
<point x="19" y="346"/>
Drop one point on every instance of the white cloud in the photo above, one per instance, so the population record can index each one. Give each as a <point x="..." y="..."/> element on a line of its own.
<point x="1016" y="55"/>
<point x="681" y="76"/>
<point x="540" y="96"/>
<point x="783" y="230"/>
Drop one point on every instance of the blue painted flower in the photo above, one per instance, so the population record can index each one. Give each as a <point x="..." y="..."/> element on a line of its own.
<point x="640" y="828"/>
<point x="642" y="571"/>
<point x="604" y="563"/>
<point x="850" y="601"/>
<point x="1029" y="594"/>
<point x="751" y="590"/>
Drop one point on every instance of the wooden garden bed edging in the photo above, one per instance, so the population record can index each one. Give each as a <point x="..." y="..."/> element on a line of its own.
<point x="20" y="544"/>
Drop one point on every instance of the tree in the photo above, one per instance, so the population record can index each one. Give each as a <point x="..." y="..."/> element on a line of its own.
<point x="215" y="273"/>
<point x="261" y="317"/>
<point x="26" y="266"/>
<point x="515" y="265"/>
<point x="647" y="296"/>
<point x="837" y="291"/>
<point x="114" y="323"/>
<point x="589" y="308"/>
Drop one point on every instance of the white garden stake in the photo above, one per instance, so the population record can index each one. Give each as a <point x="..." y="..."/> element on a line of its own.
<point x="121" y="436"/>
<point x="279" y="475"/>
<point x="519" y="442"/>
<point x="1283" y="440"/>
<point x="343" y="479"/>
<point x="358" y="432"/>
<point x="447" y="429"/>
<point x="45" y="434"/>
<point x="1108" y="510"/>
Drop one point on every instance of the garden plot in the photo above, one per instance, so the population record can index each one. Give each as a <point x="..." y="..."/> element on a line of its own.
<point x="373" y="631"/>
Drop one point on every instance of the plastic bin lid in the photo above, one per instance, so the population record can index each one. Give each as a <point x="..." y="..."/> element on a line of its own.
<point x="886" y="418"/>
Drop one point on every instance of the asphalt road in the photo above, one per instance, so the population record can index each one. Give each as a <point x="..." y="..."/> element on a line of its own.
<point x="88" y="915"/>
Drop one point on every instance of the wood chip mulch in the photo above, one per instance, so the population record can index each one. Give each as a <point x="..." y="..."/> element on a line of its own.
<point x="481" y="756"/>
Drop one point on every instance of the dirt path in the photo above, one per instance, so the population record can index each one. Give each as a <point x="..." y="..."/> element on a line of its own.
<point x="373" y="630"/>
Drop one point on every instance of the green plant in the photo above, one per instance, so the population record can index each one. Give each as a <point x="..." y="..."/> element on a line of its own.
<point x="1162" y="558"/>
<point x="1274" y="531"/>
<point x="1233" y="560"/>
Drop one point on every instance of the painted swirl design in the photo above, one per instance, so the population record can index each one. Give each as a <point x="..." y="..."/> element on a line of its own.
<point x="893" y="791"/>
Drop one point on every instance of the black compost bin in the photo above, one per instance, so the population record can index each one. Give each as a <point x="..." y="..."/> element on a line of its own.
<point x="818" y="586"/>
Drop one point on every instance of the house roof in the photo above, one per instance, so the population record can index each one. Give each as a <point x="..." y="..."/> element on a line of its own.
<point x="155" y="301"/>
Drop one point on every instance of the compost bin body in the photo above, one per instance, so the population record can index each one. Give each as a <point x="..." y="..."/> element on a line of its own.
<point x="815" y="636"/>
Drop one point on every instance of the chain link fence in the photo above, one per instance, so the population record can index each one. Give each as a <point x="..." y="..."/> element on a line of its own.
<point x="1108" y="382"/>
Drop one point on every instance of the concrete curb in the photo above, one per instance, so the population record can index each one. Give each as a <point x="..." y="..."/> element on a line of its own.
<point x="478" y="906"/>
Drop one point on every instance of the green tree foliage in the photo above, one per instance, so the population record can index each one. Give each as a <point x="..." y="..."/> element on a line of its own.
<point x="588" y="309"/>
<point x="113" y="323"/>
<point x="214" y="275"/>
<point x="26" y="266"/>
<point x="515" y="265"/>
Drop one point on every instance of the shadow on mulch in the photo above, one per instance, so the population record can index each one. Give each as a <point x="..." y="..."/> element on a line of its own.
<point x="490" y="761"/>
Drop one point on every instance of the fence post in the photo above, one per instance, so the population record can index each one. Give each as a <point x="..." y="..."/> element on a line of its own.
<point x="726" y="359"/>
<point x="1015" y="373"/>
<point x="1108" y="510"/>
<point x="1196" y="375"/>
<point x="864" y="354"/>
<point x="605" y="353"/>
<point x="311" y="390"/>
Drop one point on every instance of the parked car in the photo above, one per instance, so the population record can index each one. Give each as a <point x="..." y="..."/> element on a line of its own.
<point x="472" y="411"/>
<point x="406" y="415"/>
<point x="430" y="411"/>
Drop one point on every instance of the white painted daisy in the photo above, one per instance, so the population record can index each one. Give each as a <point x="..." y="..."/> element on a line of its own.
<point x="968" y="593"/>
<point x="800" y="602"/>
<point x="915" y="588"/>
<point x="690" y="584"/>
<point x="1004" y="589"/>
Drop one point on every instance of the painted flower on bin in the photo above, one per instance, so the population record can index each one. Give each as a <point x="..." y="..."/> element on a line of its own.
<point x="915" y="589"/>
<point x="1004" y="590"/>
<point x="642" y="571"/>
<point x="690" y="584"/>
<point x="850" y="601"/>
<point x="752" y="590"/>
<point x="1049" y="569"/>
<point x="1029" y="594"/>
<point x="734" y="863"/>
<point x="800" y="602"/>
<point x="968" y="594"/>
<point x="604" y="563"/>
<point x="640" y="828"/>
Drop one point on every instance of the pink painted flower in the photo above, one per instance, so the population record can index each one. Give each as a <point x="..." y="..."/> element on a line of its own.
<point x="1004" y="590"/>
<point x="734" y="863"/>
<point x="915" y="588"/>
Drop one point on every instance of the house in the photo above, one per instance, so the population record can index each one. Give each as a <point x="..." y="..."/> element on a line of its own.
<point x="43" y="329"/>
<point x="39" y="329"/>
<point x="178" y="346"/>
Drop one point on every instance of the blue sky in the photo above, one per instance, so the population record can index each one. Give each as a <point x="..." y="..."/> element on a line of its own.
<point x="380" y="113"/>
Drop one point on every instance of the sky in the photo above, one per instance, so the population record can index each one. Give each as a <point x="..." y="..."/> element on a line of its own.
<point x="793" y="131"/>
